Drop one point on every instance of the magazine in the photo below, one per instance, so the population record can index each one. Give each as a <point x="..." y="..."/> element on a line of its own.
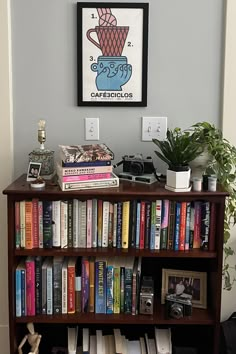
<point x="81" y="153"/>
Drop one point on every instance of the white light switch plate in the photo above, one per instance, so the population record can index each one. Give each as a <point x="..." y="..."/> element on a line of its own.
<point x="154" y="128"/>
<point x="91" y="128"/>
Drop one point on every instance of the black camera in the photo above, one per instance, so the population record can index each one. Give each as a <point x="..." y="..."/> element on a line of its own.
<point x="137" y="165"/>
<point x="146" y="296"/>
<point x="178" y="306"/>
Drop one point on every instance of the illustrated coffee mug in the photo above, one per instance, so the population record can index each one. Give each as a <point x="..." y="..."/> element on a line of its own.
<point x="111" y="39"/>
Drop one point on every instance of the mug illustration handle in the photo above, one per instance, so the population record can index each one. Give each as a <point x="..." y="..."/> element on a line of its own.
<point x="91" y="39"/>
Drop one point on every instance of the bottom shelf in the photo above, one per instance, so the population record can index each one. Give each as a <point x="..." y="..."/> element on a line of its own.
<point x="201" y="338"/>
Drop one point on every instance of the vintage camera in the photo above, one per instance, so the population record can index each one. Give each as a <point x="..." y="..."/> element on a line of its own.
<point x="178" y="306"/>
<point x="146" y="296"/>
<point x="137" y="165"/>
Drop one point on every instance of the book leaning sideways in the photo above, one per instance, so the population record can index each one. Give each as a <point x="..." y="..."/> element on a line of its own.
<point x="113" y="181"/>
<point x="85" y="153"/>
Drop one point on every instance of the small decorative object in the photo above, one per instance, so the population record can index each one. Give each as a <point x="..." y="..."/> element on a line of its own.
<point x="197" y="184"/>
<point x="34" y="170"/>
<point x="188" y="284"/>
<point x="42" y="155"/>
<point x="33" y="339"/>
<point x="212" y="181"/>
<point x="38" y="184"/>
<point x="177" y="151"/>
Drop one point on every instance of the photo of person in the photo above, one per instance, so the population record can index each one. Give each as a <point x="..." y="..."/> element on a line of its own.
<point x="33" y="171"/>
<point x="188" y="287"/>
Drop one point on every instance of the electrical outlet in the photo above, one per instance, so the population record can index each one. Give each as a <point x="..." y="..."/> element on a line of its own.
<point x="91" y="128"/>
<point x="154" y="128"/>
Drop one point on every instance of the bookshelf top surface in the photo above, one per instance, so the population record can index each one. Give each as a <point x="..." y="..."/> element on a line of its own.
<point x="126" y="189"/>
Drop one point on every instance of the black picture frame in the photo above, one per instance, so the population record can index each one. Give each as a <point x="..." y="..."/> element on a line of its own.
<point x="112" y="53"/>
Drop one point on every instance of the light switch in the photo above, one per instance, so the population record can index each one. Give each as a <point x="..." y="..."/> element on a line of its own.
<point x="91" y="128"/>
<point x="154" y="128"/>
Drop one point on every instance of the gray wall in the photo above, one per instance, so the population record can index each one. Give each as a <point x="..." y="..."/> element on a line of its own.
<point x="184" y="76"/>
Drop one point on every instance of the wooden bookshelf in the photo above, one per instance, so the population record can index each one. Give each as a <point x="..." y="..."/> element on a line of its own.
<point x="204" y="321"/>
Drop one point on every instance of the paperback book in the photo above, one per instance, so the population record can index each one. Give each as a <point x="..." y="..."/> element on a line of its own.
<point x="80" y="153"/>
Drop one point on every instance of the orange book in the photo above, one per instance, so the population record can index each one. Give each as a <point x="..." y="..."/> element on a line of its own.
<point x="197" y="225"/>
<point x="71" y="285"/>
<point x="182" y="226"/>
<point x="28" y="225"/>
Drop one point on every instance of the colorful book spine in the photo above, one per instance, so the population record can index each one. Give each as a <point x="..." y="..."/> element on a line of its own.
<point x="105" y="223"/>
<point x="64" y="286"/>
<point x="100" y="208"/>
<point x="153" y="226"/>
<point x="57" y="284"/>
<point x="77" y="171"/>
<point x="116" y="288"/>
<point x="182" y="225"/>
<point x="125" y="224"/>
<point x="86" y="164"/>
<point x="110" y="283"/>
<point x="158" y="224"/>
<point x="147" y="224"/>
<point x="171" y="225"/>
<point x="187" y="229"/>
<point x="100" y="286"/>
<point x="110" y="225"/>
<point x="114" y="236"/>
<point x="205" y="225"/>
<point x="28" y="225"/>
<point x="177" y="225"/>
<point x="40" y="221"/>
<point x="35" y="223"/>
<point x="197" y="225"/>
<point x="142" y="226"/>
<point x="70" y="223"/>
<point x="22" y="223"/>
<point x="64" y="224"/>
<point x="137" y="236"/>
<point x="56" y="223"/>
<point x="91" y="284"/>
<point x="75" y="223"/>
<point x="85" y="284"/>
<point x="38" y="284"/>
<point x="30" y="286"/>
<point x="71" y="285"/>
<point x="17" y="225"/>
<point x="119" y="225"/>
<point x="86" y="177"/>
<point x="164" y="224"/>
<point x="18" y="292"/>
<point x="82" y="223"/>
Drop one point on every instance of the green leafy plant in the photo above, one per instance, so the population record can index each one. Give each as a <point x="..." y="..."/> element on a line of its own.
<point x="178" y="149"/>
<point x="221" y="163"/>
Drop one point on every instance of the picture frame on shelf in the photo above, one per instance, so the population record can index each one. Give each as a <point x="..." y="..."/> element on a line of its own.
<point x="190" y="284"/>
<point x="34" y="169"/>
<point x="112" y="51"/>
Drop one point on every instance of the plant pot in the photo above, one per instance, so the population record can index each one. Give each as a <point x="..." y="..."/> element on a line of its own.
<point x="178" y="181"/>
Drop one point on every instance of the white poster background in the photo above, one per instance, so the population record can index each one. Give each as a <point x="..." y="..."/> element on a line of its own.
<point x="133" y="18"/>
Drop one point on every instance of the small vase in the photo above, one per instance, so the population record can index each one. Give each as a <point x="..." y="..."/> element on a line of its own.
<point x="178" y="181"/>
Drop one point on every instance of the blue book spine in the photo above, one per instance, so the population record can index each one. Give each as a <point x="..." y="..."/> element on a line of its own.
<point x="110" y="299"/>
<point x="119" y="225"/>
<point x="23" y="293"/>
<point x="187" y="230"/>
<point x="137" y="226"/>
<point x="86" y="164"/>
<point x="177" y="225"/>
<point x="100" y="287"/>
<point x="153" y="226"/>
<point x="18" y="293"/>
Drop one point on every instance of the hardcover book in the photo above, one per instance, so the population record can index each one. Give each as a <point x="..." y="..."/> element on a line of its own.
<point x="81" y="153"/>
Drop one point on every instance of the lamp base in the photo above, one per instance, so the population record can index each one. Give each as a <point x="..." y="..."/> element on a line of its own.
<point x="46" y="158"/>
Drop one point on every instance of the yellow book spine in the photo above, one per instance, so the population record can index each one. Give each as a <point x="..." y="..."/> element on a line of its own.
<point x="125" y="224"/>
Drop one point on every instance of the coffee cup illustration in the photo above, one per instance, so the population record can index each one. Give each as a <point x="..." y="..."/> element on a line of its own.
<point x="111" y="39"/>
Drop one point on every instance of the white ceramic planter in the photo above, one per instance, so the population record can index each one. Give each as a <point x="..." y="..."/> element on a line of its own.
<point x="178" y="180"/>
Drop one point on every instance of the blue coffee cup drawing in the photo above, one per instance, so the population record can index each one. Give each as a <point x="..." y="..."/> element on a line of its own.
<point x="112" y="72"/>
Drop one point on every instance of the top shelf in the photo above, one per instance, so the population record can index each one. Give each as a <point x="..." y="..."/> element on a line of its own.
<point x="126" y="190"/>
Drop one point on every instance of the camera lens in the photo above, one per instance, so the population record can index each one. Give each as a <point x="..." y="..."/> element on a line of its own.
<point x="148" y="303"/>
<point x="176" y="311"/>
<point x="137" y="168"/>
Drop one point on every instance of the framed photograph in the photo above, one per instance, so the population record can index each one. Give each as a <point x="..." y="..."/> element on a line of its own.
<point x="185" y="283"/>
<point x="34" y="170"/>
<point x="112" y="51"/>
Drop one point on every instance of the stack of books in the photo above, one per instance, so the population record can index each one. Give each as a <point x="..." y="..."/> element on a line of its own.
<point x="85" y="167"/>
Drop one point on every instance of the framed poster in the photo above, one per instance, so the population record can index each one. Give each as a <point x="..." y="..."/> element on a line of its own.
<point x="112" y="53"/>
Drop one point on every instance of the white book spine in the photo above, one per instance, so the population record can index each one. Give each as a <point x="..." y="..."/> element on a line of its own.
<point x="94" y="223"/>
<point x="75" y="223"/>
<point x="64" y="224"/>
<point x="49" y="290"/>
<point x="64" y="287"/>
<point x="89" y="223"/>
<point x="22" y="224"/>
<point x="158" y="225"/>
<point x="105" y="223"/>
<point x="56" y="223"/>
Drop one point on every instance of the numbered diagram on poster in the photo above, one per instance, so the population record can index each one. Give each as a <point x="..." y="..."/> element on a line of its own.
<point x="112" y="54"/>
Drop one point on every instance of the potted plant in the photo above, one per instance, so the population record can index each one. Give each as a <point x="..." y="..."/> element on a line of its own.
<point x="177" y="150"/>
<point x="221" y="162"/>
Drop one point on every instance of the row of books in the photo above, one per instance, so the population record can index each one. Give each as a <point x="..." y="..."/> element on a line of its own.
<point x="159" y="224"/>
<point x="58" y="285"/>
<point x="85" y="167"/>
<point x="117" y="343"/>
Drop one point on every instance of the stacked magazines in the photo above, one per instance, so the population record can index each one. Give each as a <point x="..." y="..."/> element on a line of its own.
<point x="85" y="167"/>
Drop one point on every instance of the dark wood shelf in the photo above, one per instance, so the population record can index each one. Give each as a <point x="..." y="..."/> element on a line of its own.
<point x="199" y="317"/>
<point x="111" y="252"/>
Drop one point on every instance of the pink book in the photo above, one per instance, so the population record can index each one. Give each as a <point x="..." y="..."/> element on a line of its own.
<point x="30" y="286"/>
<point x="89" y="223"/>
<point x="79" y="178"/>
<point x="35" y="223"/>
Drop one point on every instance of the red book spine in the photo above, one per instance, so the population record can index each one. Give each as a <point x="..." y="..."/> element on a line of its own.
<point x="30" y="287"/>
<point x="197" y="225"/>
<point x="71" y="288"/>
<point x="182" y="226"/>
<point x="142" y="225"/>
